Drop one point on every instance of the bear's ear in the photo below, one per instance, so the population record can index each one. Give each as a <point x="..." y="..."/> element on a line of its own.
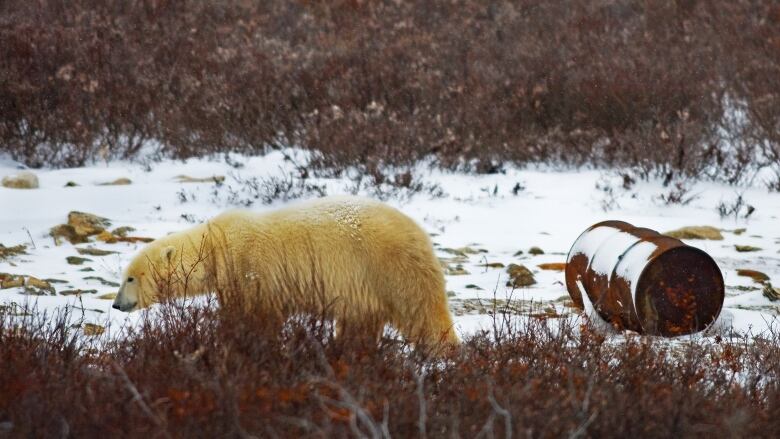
<point x="168" y="253"/>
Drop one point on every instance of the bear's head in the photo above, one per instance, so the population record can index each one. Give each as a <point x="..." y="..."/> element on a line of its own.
<point x="140" y="281"/>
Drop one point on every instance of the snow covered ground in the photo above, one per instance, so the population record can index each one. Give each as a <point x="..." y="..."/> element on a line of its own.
<point x="478" y="222"/>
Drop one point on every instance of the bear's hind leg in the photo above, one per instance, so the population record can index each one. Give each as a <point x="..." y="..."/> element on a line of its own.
<point x="431" y="324"/>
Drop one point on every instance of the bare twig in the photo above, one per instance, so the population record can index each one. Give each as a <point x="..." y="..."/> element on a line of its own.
<point x="29" y="235"/>
<point x="504" y="413"/>
<point x="357" y="413"/>
<point x="347" y="401"/>
<point x="422" y="416"/>
<point x="386" y="420"/>
<point x="583" y="428"/>
<point x="487" y="429"/>
<point x="139" y="399"/>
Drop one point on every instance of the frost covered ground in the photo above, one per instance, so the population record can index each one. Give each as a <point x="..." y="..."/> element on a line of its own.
<point x="477" y="222"/>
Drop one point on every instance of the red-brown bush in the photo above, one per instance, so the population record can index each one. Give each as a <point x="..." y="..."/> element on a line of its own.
<point x="621" y="82"/>
<point x="210" y="372"/>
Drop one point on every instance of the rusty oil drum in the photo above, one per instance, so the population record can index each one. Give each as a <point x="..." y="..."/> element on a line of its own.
<point x="641" y="280"/>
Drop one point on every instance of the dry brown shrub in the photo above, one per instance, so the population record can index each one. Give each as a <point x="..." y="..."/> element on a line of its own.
<point x="622" y="82"/>
<point x="220" y="371"/>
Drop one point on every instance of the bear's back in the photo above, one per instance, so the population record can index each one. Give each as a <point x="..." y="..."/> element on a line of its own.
<point x="350" y="228"/>
<point x="348" y="214"/>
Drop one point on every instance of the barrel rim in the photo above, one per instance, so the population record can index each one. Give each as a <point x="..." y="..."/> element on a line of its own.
<point x="686" y="247"/>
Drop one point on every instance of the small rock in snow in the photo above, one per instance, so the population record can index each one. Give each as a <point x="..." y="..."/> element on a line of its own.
<point x="105" y="282"/>
<point x="92" y="329"/>
<point x="519" y="276"/>
<point x="122" y="231"/>
<point x="32" y="285"/>
<point x="457" y="270"/>
<point x="94" y="251"/>
<point x="75" y="260"/>
<point x="696" y="232"/>
<point x="771" y="292"/>
<point x="757" y="276"/>
<point x="10" y="281"/>
<point x="34" y="282"/>
<point x="187" y="179"/>
<point x="555" y="266"/>
<point x="22" y="180"/>
<point x="77" y="292"/>
<point x="9" y="252"/>
<point x="87" y="223"/>
<point x="118" y="182"/>
<point x="107" y="237"/>
<point x="67" y="232"/>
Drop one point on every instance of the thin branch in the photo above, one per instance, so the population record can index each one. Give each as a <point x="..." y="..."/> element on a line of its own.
<point x="583" y="428"/>
<point x="139" y="399"/>
<point x="504" y="413"/>
<point x="422" y="417"/>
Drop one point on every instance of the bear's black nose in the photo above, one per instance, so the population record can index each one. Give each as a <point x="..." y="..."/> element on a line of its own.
<point x="115" y="306"/>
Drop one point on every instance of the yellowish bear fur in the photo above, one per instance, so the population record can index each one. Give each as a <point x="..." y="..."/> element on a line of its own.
<point x="357" y="260"/>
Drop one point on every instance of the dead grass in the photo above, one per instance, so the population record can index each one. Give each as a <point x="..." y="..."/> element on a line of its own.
<point x="219" y="372"/>
<point x="672" y="88"/>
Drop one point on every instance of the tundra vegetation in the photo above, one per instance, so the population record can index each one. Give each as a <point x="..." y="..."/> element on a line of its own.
<point x="672" y="89"/>
<point x="220" y="371"/>
<point x="681" y="90"/>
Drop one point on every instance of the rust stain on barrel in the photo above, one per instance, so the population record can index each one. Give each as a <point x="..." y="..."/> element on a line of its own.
<point x="613" y="305"/>
<point x="577" y="262"/>
<point x="665" y="287"/>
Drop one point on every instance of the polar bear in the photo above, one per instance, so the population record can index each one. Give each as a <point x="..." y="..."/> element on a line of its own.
<point x="359" y="261"/>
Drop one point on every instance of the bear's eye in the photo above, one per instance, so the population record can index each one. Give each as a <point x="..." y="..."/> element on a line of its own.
<point x="130" y="279"/>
